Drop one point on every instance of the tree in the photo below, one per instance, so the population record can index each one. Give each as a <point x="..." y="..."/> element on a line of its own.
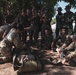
<point x="37" y="4"/>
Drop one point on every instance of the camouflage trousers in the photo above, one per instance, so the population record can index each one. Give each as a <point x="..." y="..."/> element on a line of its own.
<point x="5" y="55"/>
<point x="4" y="59"/>
<point x="71" y="57"/>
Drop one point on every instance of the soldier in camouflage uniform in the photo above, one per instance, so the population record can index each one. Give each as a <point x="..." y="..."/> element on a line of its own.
<point x="12" y="39"/>
<point x="5" y="29"/>
<point x="34" y="32"/>
<point x="48" y="40"/>
<point x="71" y="57"/>
<point x="68" y="19"/>
<point x="22" y="23"/>
<point x="59" y="21"/>
<point x="63" y="39"/>
<point x="46" y="25"/>
<point x="9" y="18"/>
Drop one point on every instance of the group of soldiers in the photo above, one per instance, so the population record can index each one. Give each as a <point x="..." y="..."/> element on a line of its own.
<point x="65" y="42"/>
<point x="13" y="38"/>
<point x="31" y="21"/>
<point x="65" y="19"/>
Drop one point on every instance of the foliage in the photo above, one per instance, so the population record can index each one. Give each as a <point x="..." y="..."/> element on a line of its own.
<point x="17" y="5"/>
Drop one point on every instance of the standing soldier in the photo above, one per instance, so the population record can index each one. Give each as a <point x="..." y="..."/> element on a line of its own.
<point x="45" y="25"/>
<point x="35" y="21"/>
<point x="59" y="21"/>
<point x="9" y="18"/>
<point x="22" y="23"/>
<point x="68" y="19"/>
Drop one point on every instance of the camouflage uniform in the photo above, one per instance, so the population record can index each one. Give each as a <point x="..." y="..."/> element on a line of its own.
<point x="35" y="27"/>
<point x="67" y="42"/>
<point x="45" y="26"/>
<point x="22" y="21"/>
<point x="59" y="21"/>
<point x="72" y="55"/>
<point x="9" y="18"/>
<point x="63" y="41"/>
<point x="6" y="44"/>
<point x="68" y="20"/>
<point x="47" y="42"/>
<point x="3" y="29"/>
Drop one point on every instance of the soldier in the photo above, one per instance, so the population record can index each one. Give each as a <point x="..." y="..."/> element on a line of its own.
<point x="48" y="40"/>
<point x="68" y="19"/>
<point x="29" y="15"/>
<point x="72" y="55"/>
<point x="59" y="21"/>
<point x="63" y="38"/>
<point x="5" y="29"/>
<point x="35" y="21"/>
<point x="22" y="23"/>
<point x="12" y="39"/>
<point x="45" y="25"/>
<point x="9" y="18"/>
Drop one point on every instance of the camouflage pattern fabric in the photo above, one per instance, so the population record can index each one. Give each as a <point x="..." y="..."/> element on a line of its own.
<point x="72" y="58"/>
<point x="7" y="43"/>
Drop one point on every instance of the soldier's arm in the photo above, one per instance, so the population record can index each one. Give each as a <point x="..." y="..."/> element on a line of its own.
<point x="5" y="33"/>
<point x="71" y="46"/>
<point x="63" y="46"/>
<point x="68" y="40"/>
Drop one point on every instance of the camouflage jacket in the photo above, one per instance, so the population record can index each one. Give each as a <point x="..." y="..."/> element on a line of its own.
<point x="59" y="20"/>
<point x="68" y="18"/>
<point x="71" y="46"/>
<point x="67" y="42"/>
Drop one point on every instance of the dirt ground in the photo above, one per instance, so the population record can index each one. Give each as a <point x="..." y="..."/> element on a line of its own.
<point x="50" y="69"/>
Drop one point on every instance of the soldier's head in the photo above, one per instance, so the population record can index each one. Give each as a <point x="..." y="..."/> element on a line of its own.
<point x="64" y="30"/>
<point x="67" y="8"/>
<point x="74" y="37"/>
<point x="59" y="9"/>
